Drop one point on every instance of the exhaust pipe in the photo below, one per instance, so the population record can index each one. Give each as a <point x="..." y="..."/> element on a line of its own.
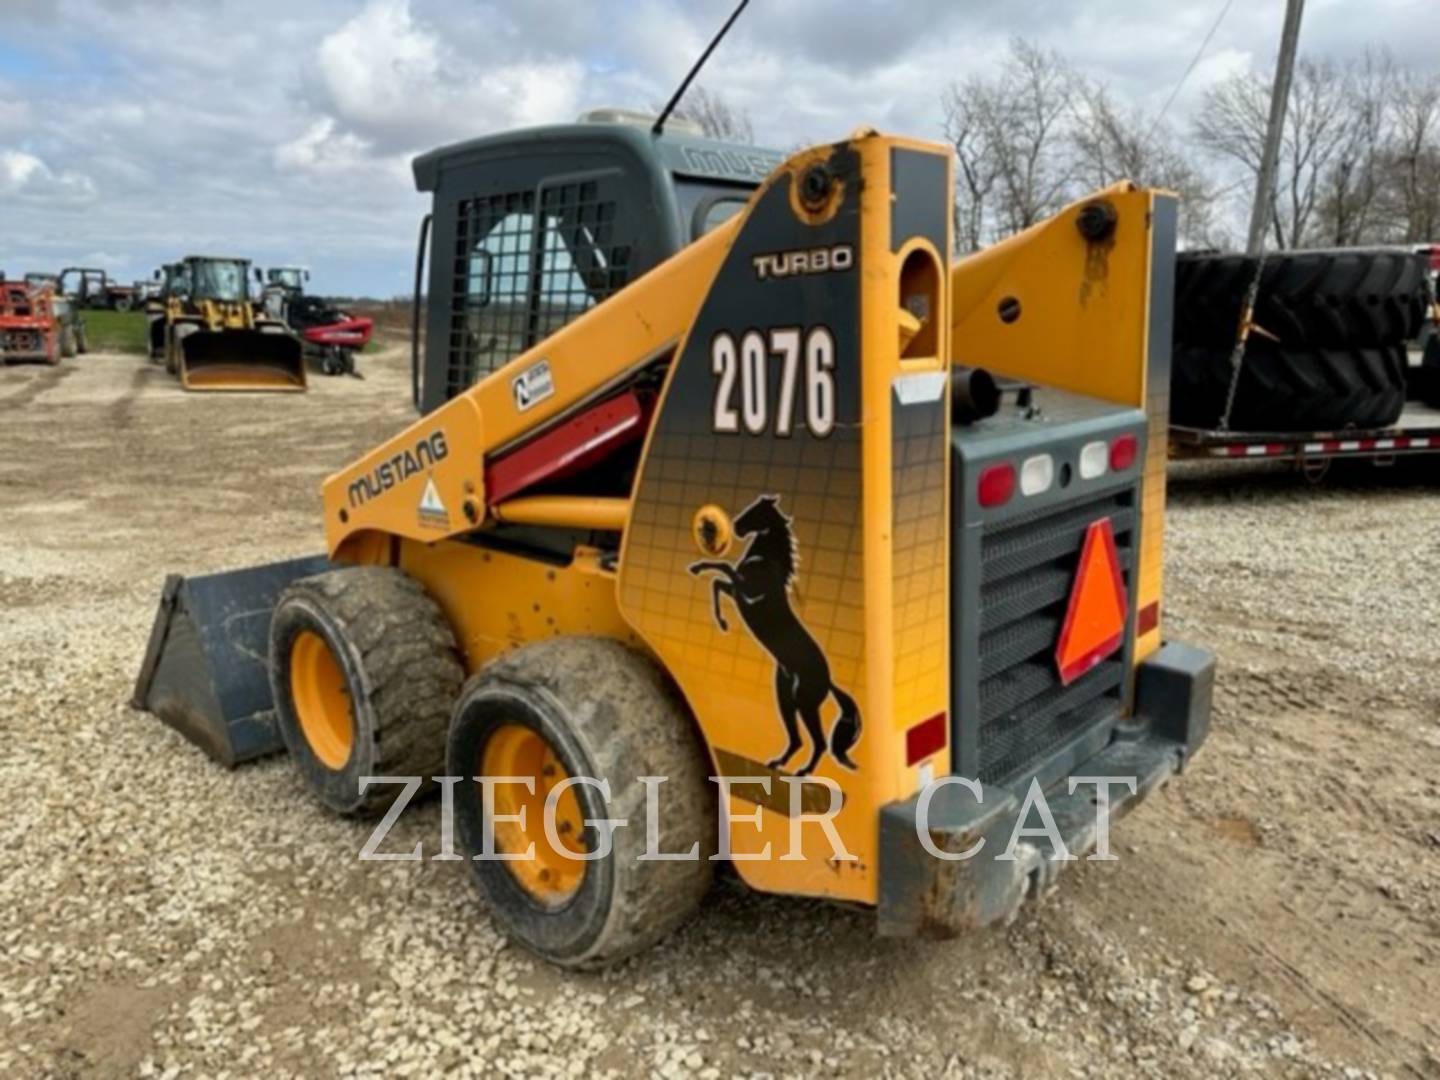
<point x="973" y="395"/>
<point x="241" y="360"/>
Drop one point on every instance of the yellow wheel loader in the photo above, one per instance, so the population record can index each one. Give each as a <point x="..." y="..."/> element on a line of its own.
<point x="741" y="523"/>
<point x="207" y="331"/>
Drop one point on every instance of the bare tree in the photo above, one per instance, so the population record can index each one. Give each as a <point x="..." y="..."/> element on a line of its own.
<point x="1027" y="132"/>
<point x="1350" y="191"/>
<point x="1115" y="143"/>
<point x="965" y="127"/>
<point x="1011" y="147"/>
<point x="1414" y="158"/>
<point x="717" y="117"/>
<point x="1231" y="123"/>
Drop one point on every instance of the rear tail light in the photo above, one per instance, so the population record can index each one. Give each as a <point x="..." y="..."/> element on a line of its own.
<point x="997" y="484"/>
<point x="1037" y="474"/>
<point x="1094" y="460"/>
<point x="924" y="739"/>
<point x="1123" y="451"/>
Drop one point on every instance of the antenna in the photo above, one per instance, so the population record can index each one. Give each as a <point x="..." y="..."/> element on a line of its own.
<point x="659" y="128"/>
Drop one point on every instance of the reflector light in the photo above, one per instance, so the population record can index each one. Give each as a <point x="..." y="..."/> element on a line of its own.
<point x="1094" y="460"/>
<point x="1094" y="623"/>
<point x="1122" y="452"/>
<point x="924" y="739"/>
<point x="1037" y="474"/>
<point x="997" y="484"/>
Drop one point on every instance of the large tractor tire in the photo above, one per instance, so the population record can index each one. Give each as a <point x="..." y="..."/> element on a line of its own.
<point x="69" y="348"/>
<point x="1289" y="389"/>
<point x="582" y="707"/>
<point x="365" y="673"/>
<point x="1308" y="299"/>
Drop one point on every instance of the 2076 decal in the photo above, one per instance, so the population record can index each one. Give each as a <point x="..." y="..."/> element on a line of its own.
<point x="743" y="370"/>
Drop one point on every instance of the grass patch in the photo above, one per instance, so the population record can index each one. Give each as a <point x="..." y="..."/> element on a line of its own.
<point x="116" y="331"/>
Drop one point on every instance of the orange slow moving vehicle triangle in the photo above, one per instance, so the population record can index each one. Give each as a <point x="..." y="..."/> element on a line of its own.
<point x="1094" y="623"/>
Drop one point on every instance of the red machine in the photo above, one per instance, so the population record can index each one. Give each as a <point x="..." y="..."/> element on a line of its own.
<point x="28" y="330"/>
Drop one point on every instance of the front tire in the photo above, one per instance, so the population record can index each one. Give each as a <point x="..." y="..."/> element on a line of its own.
<point x="364" y="671"/>
<point x="583" y="707"/>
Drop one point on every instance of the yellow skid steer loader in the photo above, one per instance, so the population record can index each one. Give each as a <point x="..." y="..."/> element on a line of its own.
<point x="207" y="331"/>
<point x="743" y="523"/>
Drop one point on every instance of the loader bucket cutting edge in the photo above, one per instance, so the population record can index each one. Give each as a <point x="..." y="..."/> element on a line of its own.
<point x="241" y="360"/>
<point x="206" y="670"/>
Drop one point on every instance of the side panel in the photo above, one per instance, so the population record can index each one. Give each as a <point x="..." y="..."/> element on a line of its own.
<point x="785" y="640"/>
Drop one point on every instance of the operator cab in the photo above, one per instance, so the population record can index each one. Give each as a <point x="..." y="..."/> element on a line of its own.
<point x="532" y="228"/>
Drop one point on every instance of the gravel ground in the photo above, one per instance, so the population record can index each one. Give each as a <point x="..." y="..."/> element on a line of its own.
<point x="1276" y="910"/>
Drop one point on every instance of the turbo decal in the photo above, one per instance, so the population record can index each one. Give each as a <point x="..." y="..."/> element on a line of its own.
<point x="428" y="451"/>
<point x="821" y="260"/>
<point x="758" y="584"/>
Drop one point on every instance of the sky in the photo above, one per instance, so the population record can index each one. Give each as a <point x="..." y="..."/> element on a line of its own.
<point x="135" y="131"/>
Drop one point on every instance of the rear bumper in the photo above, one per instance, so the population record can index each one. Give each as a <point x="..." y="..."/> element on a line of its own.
<point x="923" y="893"/>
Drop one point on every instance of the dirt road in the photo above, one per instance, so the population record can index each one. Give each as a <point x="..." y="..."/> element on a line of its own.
<point x="1277" y="909"/>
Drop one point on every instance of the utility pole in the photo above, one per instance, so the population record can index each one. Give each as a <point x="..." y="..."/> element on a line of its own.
<point x="1279" y="98"/>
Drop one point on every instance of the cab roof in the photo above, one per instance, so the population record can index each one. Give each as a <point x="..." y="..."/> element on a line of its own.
<point x="678" y="152"/>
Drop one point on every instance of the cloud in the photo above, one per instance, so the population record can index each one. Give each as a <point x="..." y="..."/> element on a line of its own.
<point x="284" y="131"/>
<point x="322" y="149"/>
<point x="25" y="177"/>
<point x="390" y="83"/>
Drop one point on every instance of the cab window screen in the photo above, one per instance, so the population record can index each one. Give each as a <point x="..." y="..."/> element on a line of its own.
<point x="520" y="275"/>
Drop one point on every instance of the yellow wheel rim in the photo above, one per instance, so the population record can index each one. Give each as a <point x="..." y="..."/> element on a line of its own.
<point x="554" y="873"/>
<point x="322" y="700"/>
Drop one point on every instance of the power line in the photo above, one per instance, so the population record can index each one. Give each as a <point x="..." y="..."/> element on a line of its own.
<point x="1204" y="44"/>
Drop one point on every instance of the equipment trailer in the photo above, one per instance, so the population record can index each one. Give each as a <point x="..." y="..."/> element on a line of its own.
<point x="710" y="485"/>
<point x="1416" y="432"/>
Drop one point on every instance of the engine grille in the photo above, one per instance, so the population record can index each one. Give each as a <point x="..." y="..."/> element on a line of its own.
<point x="1028" y="568"/>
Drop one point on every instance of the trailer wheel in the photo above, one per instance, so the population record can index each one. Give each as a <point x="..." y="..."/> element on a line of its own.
<point x="364" y="671"/>
<point x="1289" y="389"/>
<point x="587" y="708"/>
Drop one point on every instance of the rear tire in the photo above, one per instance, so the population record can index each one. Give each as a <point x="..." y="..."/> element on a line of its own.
<point x="365" y="673"/>
<point x="68" y="348"/>
<point x="1289" y="389"/>
<point x="602" y="711"/>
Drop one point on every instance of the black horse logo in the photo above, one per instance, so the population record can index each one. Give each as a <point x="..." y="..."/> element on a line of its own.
<point x="759" y="587"/>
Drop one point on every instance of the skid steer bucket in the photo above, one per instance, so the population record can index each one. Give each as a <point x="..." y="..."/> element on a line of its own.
<point x="241" y="360"/>
<point x="205" y="671"/>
